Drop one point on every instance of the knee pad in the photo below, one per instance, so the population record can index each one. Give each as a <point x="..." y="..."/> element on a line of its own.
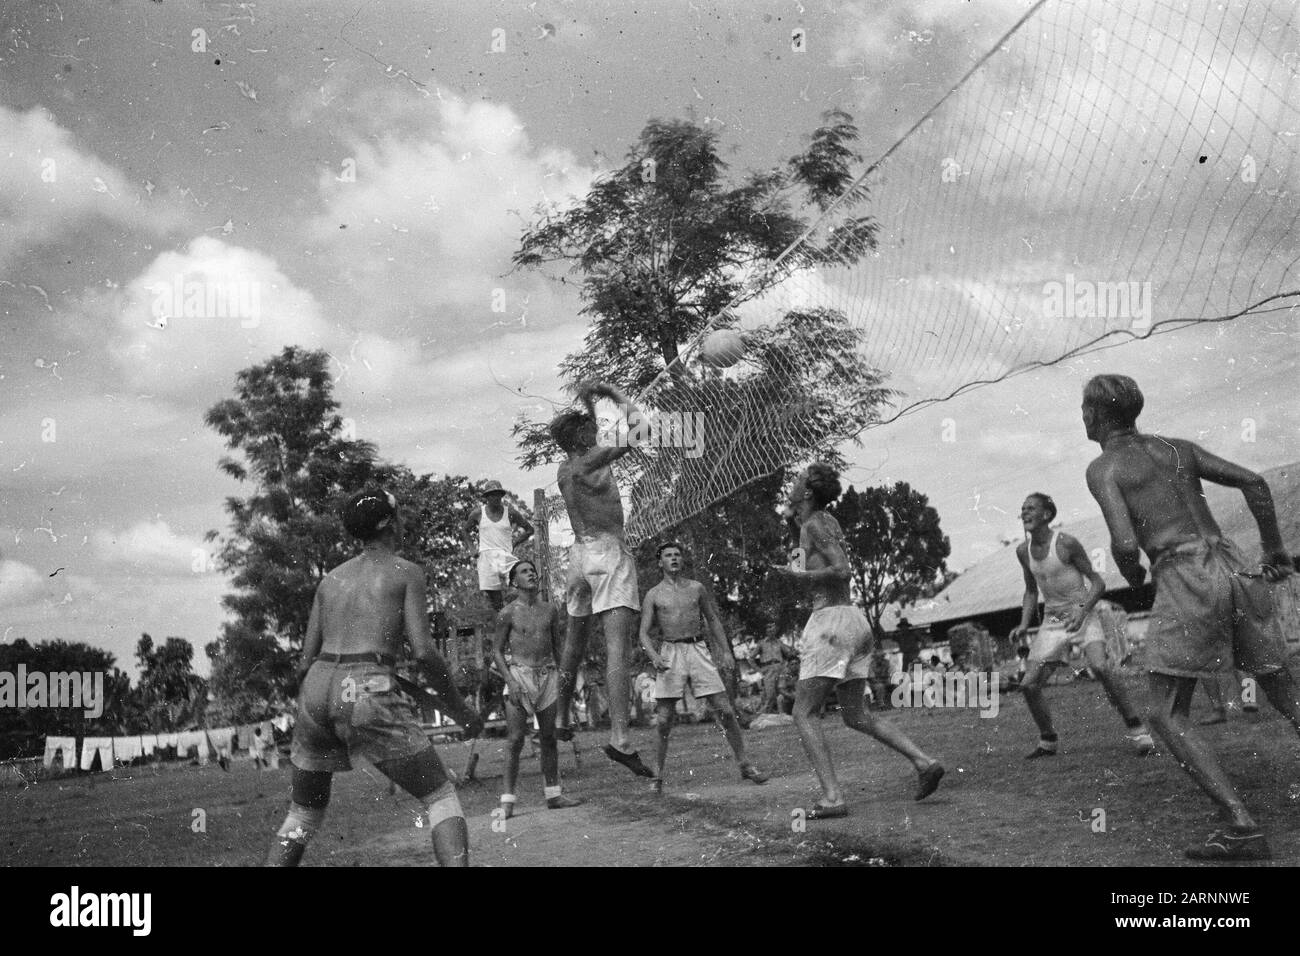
<point x="301" y="824"/>
<point x="443" y="804"/>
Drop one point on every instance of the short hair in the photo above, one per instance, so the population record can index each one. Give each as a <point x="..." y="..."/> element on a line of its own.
<point x="1116" y="397"/>
<point x="368" y="513"/>
<point x="659" y="551"/>
<point x="566" y="425"/>
<point x="824" y="483"/>
<point x="1047" y="503"/>
<point x="514" y="568"/>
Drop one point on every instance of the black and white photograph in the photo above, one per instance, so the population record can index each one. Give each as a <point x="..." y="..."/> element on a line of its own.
<point x="683" y="433"/>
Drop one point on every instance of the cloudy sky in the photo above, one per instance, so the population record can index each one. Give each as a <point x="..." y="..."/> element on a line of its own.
<point x="367" y="167"/>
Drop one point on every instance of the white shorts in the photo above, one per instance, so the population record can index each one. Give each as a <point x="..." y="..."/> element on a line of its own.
<point x="493" y="566"/>
<point x="1053" y="644"/>
<point x="602" y="575"/>
<point x="836" y="643"/>
<point x="688" y="662"/>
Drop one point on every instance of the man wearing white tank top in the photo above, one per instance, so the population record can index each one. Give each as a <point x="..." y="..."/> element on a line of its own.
<point x="495" y="522"/>
<point x="1057" y="568"/>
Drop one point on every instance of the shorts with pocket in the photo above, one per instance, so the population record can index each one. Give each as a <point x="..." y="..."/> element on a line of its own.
<point x="1209" y="614"/>
<point x="689" y="662"/>
<point x="347" y="711"/>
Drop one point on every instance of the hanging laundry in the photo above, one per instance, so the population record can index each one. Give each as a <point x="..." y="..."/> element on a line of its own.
<point x="66" y="747"/>
<point x="222" y="740"/>
<point x="101" y="745"/>
<point x="148" y="744"/>
<point x="126" y="749"/>
<point x="190" y="739"/>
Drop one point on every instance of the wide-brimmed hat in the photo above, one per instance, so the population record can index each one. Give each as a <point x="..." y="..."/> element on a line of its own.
<point x="491" y="488"/>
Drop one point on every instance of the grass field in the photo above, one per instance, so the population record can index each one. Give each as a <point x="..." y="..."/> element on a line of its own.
<point x="993" y="808"/>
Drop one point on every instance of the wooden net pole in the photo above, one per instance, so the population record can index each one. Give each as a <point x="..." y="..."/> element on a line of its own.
<point x="542" y="543"/>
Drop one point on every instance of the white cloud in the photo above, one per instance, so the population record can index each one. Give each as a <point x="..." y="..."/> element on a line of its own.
<point x="20" y="584"/>
<point x="151" y="545"/>
<point x="51" y="185"/>
<point x="425" y="233"/>
<point x="205" y="336"/>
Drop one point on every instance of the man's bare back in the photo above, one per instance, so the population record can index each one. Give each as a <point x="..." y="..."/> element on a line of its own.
<point x="531" y="632"/>
<point x="822" y="542"/>
<point x="678" y="609"/>
<point x="361" y="603"/>
<point x="1159" y="482"/>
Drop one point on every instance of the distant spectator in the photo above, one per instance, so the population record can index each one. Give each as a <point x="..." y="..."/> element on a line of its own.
<point x="772" y="656"/>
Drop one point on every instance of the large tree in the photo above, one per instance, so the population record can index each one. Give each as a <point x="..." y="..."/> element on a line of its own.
<point x="23" y="731"/>
<point x="659" y="247"/>
<point x="896" y="548"/>
<point x="663" y="244"/>
<point x="286" y="534"/>
<point x="170" y="695"/>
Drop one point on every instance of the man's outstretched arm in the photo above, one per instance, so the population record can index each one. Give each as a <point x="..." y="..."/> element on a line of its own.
<point x="1259" y="499"/>
<point x="1123" y="537"/>
<point x="602" y="455"/>
<point x="415" y="614"/>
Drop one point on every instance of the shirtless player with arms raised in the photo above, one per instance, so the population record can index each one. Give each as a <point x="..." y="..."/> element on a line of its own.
<point x="602" y="571"/>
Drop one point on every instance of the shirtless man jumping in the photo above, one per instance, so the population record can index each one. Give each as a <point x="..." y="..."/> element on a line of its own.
<point x="1211" y="609"/>
<point x="349" y="702"/>
<point x="835" y="650"/>
<point x="677" y="605"/>
<point x="530" y="627"/>
<point x="602" y="571"/>
<point x="1057" y="568"/>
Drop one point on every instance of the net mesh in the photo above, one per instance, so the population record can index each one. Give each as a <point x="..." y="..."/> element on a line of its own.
<point x="1105" y="173"/>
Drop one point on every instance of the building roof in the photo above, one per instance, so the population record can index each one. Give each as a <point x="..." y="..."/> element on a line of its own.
<point x="996" y="583"/>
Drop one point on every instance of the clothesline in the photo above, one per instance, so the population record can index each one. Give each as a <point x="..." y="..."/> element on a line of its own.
<point x="219" y="742"/>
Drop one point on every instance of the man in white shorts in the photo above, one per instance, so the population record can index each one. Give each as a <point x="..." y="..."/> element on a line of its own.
<point x="835" y="651"/>
<point x="602" y="571"/>
<point x="678" y="607"/>
<point x="496" y="522"/>
<point x="1057" y="568"/>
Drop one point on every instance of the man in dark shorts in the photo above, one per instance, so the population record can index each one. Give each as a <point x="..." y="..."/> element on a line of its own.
<point x="835" y="650"/>
<point x="530" y="628"/>
<point x="1211" y="609"/>
<point x="683" y="610"/>
<point x="350" y="703"/>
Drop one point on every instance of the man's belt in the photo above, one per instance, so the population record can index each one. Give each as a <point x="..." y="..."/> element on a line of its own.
<point x="689" y="640"/>
<point x="385" y="660"/>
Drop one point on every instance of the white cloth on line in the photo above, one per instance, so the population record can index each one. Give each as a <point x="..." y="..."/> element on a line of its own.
<point x="148" y="744"/>
<point x="67" y="746"/>
<point x="102" y="745"/>
<point x="193" y="738"/>
<point x="223" y="739"/>
<point x="126" y="749"/>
